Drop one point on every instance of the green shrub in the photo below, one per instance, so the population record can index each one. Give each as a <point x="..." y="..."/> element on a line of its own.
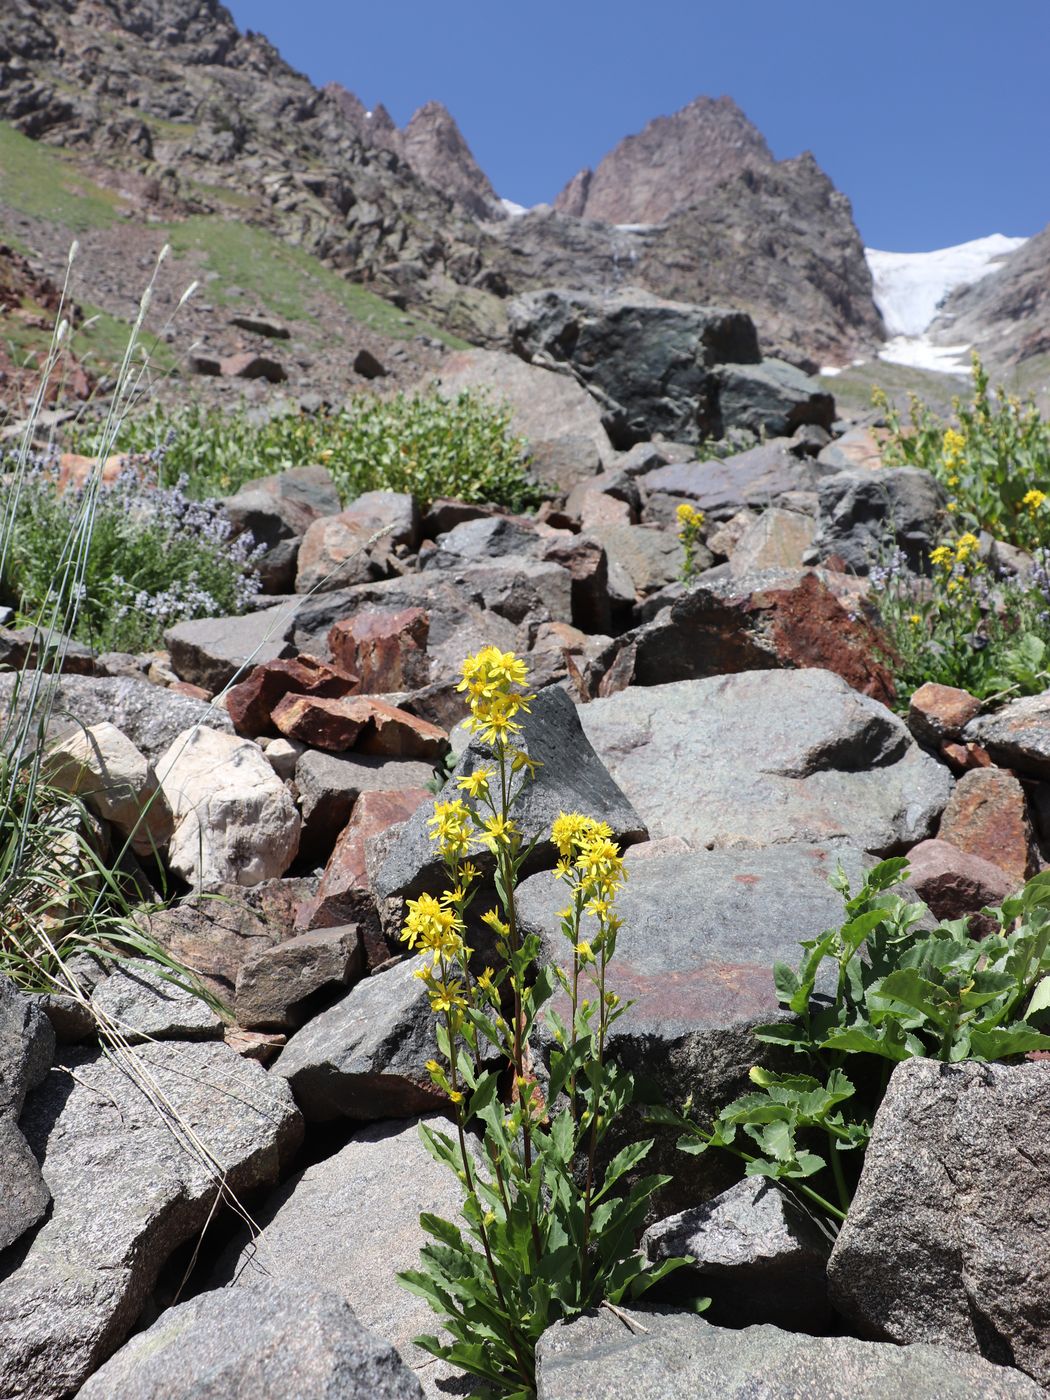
<point x="876" y="991"/>
<point x="994" y="460"/>
<point x="153" y="557"/>
<point x="424" y="444"/>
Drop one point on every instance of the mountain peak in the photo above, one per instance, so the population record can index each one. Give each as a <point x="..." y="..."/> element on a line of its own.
<point x="670" y="163"/>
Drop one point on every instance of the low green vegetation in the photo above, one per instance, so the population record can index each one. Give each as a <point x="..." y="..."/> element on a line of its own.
<point x="878" y="990"/>
<point x="154" y="558"/>
<point x="993" y="459"/>
<point x="425" y="444"/>
<point x="45" y="184"/>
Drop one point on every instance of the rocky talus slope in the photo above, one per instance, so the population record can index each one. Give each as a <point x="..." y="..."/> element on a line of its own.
<point x="1007" y="313"/>
<point x="736" y="734"/>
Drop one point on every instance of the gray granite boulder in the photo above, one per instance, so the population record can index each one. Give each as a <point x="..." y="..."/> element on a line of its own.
<point x="366" y="1056"/>
<point x="1018" y="735"/>
<point x="128" y="1188"/>
<point x="210" y="651"/>
<point x="946" y="1238"/>
<point x="143" y="1005"/>
<point x="282" y="987"/>
<point x="866" y="514"/>
<point x="276" y="1342"/>
<point x="659" y="1354"/>
<point x="350" y="1224"/>
<point x="760" y="1255"/>
<point x="27" y="1045"/>
<point x="149" y="715"/>
<point x="570" y="778"/>
<point x="772" y="399"/>
<point x="768" y="756"/>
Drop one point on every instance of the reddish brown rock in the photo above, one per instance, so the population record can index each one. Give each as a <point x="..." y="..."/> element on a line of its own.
<point x="195" y="692"/>
<point x="353" y="547"/>
<point x="987" y="816"/>
<point x="358" y="721"/>
<point x="953" y="883"/>
<point x="720" y="630"/>
<point x="255" y="1045"/>
<point x="250" y="704"/>
<point x="343" y="895"/>
<point x="960" y="757"/>
<point x="940" y="713"/>
<point x="388" y="650"/>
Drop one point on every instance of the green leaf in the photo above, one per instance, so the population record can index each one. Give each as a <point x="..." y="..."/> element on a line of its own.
<point x="1040" y="999"/>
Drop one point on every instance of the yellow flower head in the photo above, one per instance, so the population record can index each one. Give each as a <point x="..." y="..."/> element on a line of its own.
<point x="915" y="619"/>
<point x="1032" y="500"/>
<point x="954" y="445"/>
<point x="494" y="681"/>
<point x="452" y="827"/>
<point x="943" y="556"/>
<point x="968" y="544"/>
<point x="475" y="784"/>
<point x="689" y="519"/>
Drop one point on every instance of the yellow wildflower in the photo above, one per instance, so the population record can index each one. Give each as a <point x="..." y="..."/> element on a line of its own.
<point x="942" y="556"/>
<point x="493" y="681"/>
<point x="475" y="784"/>
<point x="968" y="544"/>
<point x="689" y="516"/>
<point x="1032" y="500"/>
<point x="495" y="923"/>
<point x="915" y="619"/>
<point x="498" y="831"/>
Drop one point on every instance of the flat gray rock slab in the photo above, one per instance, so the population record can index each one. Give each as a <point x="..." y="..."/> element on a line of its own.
<point x="277" y="1342"/>
<point x="760" y="1254"/>
<point x="350" y="1224"/>
<point x="27" y="1045"/>
<point x="682" y="1357"/>
<point x="142" y="1005"/>
<point x="721" y="488"/>
<point x="127" y="1190"/>
<point x="209" y="651"/>
<point x="946" y="1238"/>
<point x="366" y="1056"/>
<point x="1018" y="735"/>
<point x="570" y="778"/>
<point x="149" y="715"/>
<point x="763" y="757"/>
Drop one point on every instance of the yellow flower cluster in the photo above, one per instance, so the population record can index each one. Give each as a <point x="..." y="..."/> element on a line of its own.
<point x="1032" y="501"/>
<point x="434" y="928"/>
<point x="453" y="828"/>
<point x="494" y="681"/>
<point x="590" y="861"/>
<point x="689" y="517"/>
<point x="954" y="448"/>
<point x="957" y="561"/>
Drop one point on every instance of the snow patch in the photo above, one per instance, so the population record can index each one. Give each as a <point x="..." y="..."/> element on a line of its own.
<point x="909" y="288"/>
<point x="513" y="210"/>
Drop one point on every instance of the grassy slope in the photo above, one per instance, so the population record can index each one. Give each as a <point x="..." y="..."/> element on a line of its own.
<point x="45" y="184"/>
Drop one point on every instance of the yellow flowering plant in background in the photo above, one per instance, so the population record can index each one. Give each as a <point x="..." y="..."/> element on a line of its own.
<point x="993" y="459"/>
<point x="690" y="525"/>
<point x="543" y="1236"/>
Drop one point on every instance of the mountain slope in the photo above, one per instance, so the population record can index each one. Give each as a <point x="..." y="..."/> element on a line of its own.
<point x="1007" y="313"/>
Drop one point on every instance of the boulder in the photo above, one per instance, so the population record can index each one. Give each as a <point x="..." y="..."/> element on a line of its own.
<point x="127" y="1191"/>
<point x="1017" y="736"/>
<point x="987" y="816"/>
<point x="272" y="1343"/>
<point x="342" y="549"/>
<point x="381" y="1181"/>
<point x="362" y="722"/>
<point x="459" y="622"/>
<point x="953" y="883"/>
<point x="569" y="777"/>
<point x="945" y="1240"/>
<point x="669" y="1355"/>
<point x="701" y="931"/>
<point x="778" y="539"/>
<point x="25" y="646"/>
<point x="759" y="1253"/>
<point x="115" y="781"/>
<point x="211" y="651"/>
<point x="558" y="419"/>
<point x="248" y="365"/>
<point x="650" y="556"/>
<point x="251" y="702"/>
<point x="724" y="626"/>
<point x="234" y="818"/>
<point x="648" y="360"/>
<point x="365" y="1058"/>
<point x="764" y="757"/>
<point x="330" y="784"/>
<point x="939" y="713"/>
<point x="27" y="1045"/>
<point x="771" y="399"/>
<point x="864" y="515"/>
<point x="280" y="988"/>
<point x="142" y="1005"/>
<point x="722" y="488"/>
<point x="387" y="650"/>
<point x="150" y="717"/>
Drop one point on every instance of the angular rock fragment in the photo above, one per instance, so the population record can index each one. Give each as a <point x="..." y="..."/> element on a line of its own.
<point x="987" y="816"/>
<point x="142" y="1005"/>
<point x="210" y="651"/>
<point x="359" y="721"/>
<point x="329" y="785"/>
<point x="251" y="702"/>
<point x="280" y="987"/>
<point x="953" y="883"/>
<point x="1018" y="735"/>
<point x="387" y="650"/>
<point x="116" y="782"/>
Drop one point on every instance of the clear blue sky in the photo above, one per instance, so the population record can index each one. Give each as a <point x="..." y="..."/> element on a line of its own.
<point x="933" y="116"/>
